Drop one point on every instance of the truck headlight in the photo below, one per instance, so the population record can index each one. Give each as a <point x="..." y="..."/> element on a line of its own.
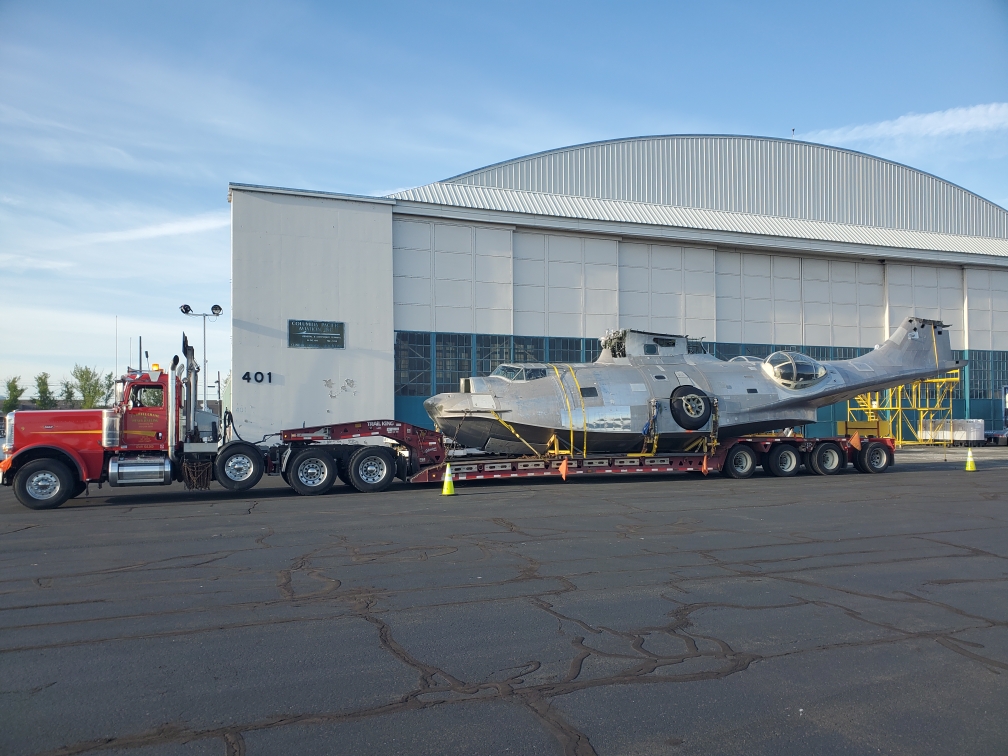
<point x="8" y="444"/>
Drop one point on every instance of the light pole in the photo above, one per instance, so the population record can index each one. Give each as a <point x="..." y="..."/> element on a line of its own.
<point x="214" y="312"/>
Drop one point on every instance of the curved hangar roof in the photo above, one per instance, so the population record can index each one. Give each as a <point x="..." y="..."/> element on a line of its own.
<point x="751" y="185"/>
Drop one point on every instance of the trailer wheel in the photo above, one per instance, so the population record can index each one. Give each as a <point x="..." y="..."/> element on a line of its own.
<point x="372" y="469"/>
<point x="782" y="460"/>
<point x="827" y="458"/>
<point x="740" y="462"/>
<point x="43" y="484"/>
<point x="311" y="472"/>
<point x="874" y="458"/>
<point x="343" y="473"/>
<point x="239" y="467"/>
<point x="691" y="408"/>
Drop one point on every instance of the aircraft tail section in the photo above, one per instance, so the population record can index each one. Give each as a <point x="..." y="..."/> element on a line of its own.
<point x="918" y="349"/>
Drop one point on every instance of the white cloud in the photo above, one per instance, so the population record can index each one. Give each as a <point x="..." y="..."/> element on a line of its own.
<point x="976" y="119"/>
<point x="193" y="225"/>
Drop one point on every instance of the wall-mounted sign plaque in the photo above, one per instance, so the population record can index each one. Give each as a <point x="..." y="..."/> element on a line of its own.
<point x="315" y="334"/>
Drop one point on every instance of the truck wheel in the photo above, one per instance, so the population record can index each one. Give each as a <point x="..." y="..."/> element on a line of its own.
<point x="239" y="467"/>
<point x="782" y="460"/>
<point x="828" y="458"/>
<point x="311" y="472"/>
<point x="740" y="462"/>
<point x="43" y="484"/>
<point x="874" y="458"/>
<point x="691" y="408"/>
<point x="372" y="469"/>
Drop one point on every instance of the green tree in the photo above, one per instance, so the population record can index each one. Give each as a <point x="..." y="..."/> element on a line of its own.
<point x="46" y="399"/>
<point x="14" y="392"/>
<point x="108" y="388"/>
<point x="68" y="392"/>
<point x="88" y="382"/>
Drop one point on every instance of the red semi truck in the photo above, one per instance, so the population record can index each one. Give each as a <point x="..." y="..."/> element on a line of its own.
<point x="154" y="435"/>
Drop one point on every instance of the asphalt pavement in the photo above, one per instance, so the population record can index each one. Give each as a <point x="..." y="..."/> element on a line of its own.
<point x="853" y="614"/>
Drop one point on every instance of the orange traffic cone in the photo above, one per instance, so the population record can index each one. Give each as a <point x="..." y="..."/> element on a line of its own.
<point x="448" y="489"/>
<point x="563" y="468"/>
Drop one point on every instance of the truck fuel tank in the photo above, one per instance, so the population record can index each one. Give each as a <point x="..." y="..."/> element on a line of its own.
<point x="140" y="471"/>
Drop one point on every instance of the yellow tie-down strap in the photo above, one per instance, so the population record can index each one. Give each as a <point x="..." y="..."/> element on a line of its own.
<point x="516" y="435"/>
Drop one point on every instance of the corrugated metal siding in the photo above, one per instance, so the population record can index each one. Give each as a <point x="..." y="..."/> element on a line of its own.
<point x="588" y="208"/>
<point x="753" y="175"/>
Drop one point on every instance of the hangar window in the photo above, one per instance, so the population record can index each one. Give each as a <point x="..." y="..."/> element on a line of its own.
<point x="452" y="360"/>
<point x="564" y="350"/>
<point x="412" y="364"/>
<point x="793" y="370"/>
<point x="491" y="351"/>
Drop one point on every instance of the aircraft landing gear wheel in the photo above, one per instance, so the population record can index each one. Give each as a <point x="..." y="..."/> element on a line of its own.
<point x="43" y="484"/>
<point x="239" y="467"/>
<point x="311" y="472"/>
<point x="691" y="407"/>
<point x="827" y="458"/>
<point x="740" y="462"/>
<point x="782" y="460"/>
<point x="874" y="458"/>
<point x="372" y="469"/>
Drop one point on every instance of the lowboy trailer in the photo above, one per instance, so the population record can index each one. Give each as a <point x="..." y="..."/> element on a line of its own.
<point x="310" y="459"/>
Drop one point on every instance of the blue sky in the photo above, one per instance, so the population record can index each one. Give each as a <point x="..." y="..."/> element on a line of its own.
<point x="122" y="123"/>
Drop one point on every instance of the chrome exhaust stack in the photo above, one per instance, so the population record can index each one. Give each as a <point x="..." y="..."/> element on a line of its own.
<point x="172" y="408"/>
<point x="192" y="375"/>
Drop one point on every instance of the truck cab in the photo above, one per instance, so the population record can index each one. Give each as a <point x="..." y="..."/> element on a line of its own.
<point x="152" y="435"/>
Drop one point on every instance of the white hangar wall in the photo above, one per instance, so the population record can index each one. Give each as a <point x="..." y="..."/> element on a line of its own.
<point x="455" y="277"/>
<point x="309" y="257"/>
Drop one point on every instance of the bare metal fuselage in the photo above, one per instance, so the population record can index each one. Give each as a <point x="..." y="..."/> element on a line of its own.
<point x="611" y="404"/>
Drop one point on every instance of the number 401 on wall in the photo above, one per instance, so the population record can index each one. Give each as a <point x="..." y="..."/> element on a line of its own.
<point x="257" y="377"/>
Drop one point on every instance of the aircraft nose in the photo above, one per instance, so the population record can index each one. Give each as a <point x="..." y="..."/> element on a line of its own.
<point x="439" y="411"/>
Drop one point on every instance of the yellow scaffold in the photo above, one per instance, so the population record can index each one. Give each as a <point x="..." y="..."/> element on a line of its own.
<point x="918" y="413"/>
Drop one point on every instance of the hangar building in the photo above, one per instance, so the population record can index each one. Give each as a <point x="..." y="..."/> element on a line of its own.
<point x="349" y="307"/>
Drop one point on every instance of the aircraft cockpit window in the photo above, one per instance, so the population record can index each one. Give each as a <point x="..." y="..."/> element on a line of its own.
<point x="745" y="358"/>
<point x="519" y="373"/>
<point x="510" y="372"/>
<point x="650" y="349"/>
<point x="793" y="370"/>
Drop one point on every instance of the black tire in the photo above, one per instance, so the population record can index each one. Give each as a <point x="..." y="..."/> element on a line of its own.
<point x="44" y="484"/>
<point x="874" y="458"/>
<point x="311" y="471"/>
<point x="343" y="472"/>
<point x="372" y="469"/>
<point x="239" y="466"/>
<point x="783" y="460"/>
<point x="857" y="458"/>
<point x="740" y="462"/>
<point x="691" y="407"/>
<point x="828" y="458"/>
